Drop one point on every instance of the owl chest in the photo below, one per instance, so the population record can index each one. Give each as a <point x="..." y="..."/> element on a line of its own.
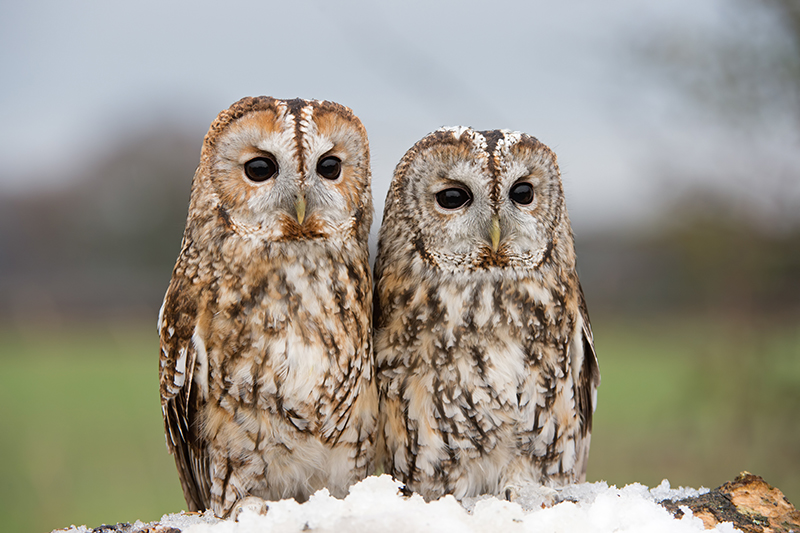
<point x="472" y="361"/>
<point x="276" y="346"/>
<point x="490" y="330"/>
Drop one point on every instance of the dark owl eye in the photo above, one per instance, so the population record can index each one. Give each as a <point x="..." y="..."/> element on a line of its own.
<point x="329" y="167"/>
<point x="522" y="193"/>
<point x="261" y="168"/>
<point x="453" y="198"/>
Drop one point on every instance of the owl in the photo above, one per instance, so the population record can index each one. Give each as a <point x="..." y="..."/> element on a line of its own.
<point x="485" y="360"/>
<point x="266" y="373"/>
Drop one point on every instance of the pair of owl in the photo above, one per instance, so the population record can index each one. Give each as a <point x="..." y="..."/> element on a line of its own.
<point x="473" y="370"/>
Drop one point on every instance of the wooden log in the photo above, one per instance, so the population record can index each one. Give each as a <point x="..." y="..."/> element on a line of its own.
<point x="752" y="505"/>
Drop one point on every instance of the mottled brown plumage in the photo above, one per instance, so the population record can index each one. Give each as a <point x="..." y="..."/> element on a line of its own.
<point x="266" y="373"/>
<point x="484" y="352"/>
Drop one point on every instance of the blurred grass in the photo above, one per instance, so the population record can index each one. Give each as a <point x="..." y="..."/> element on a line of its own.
<point x="696" y="401"/>
<point x="693" y="400"/>
<point x="82" y="439"/>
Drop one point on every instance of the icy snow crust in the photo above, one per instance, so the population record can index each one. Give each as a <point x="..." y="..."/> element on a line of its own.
<point x="376" y="505"/>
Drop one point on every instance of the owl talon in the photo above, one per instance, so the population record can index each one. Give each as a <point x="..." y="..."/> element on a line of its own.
<point x="253" y="504"/>
<point x="512" y="492"/>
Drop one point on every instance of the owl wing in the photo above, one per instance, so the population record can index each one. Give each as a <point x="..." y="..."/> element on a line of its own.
<point x="179" y="401"/>
<point x="589" y="378"/>
<point x="586" y="382"/>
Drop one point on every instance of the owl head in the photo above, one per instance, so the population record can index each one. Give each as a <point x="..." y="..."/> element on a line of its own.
<point x="466" y="200"/>
<point x="285" y="170"/>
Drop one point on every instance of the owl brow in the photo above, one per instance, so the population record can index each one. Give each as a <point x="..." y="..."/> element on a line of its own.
<point x="447" y="181"/>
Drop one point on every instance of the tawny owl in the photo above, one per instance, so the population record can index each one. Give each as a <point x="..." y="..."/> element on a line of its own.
<point x="485" y="361"/>
<point x="267" y="383"/>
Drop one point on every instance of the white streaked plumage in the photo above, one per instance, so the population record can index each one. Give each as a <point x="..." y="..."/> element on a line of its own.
<point x="485" y="358"/>
<point x="267" y="382"/>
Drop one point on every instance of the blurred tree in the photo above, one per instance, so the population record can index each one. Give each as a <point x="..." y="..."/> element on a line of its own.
<point x="747" y="71"/>
<point x="732" y="245"/>
<point x="106" y="243"/>
<point x="704" y="257"/>
<point x="743" y="77"/>
<point x="721" y="260"/>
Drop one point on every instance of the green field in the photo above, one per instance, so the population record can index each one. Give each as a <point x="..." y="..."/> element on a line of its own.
<point x="696" y="402"/>
<point x="692" y="400"/>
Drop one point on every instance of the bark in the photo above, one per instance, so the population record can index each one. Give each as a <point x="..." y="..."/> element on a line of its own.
<point x="748" y="502"/>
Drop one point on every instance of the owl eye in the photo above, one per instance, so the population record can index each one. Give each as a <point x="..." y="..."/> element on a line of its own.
<point x="453" y="198"/>
<point x="261" y="168"/>
<point x="329" y="167"/>
<point x="522" y="193"/>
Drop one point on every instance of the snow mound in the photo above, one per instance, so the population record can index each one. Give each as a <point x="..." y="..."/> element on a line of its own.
<point x="375" y="504"/>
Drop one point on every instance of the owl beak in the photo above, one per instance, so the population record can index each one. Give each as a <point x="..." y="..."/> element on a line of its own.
<point x="300" y="207"/>
<point x="494" y="232"/>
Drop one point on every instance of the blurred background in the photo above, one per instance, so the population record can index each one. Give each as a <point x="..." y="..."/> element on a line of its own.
<point x="677" y="126"/>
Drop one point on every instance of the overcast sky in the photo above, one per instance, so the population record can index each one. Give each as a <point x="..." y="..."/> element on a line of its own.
<point x="80" y="74"/>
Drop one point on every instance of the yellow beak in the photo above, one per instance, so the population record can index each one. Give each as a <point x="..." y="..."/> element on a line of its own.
<point x="494" y="232"/>
<point x="300" y="207"/>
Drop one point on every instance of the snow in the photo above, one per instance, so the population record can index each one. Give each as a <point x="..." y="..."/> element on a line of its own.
<point x="375" y="504"/>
